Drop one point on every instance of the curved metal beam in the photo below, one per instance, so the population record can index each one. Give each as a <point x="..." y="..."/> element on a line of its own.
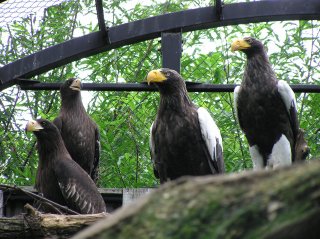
<point x="137" y="31"/>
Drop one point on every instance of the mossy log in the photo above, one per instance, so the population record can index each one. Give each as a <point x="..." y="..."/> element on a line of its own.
<point x="284" y="203"/>
<point x="35" y="225"/>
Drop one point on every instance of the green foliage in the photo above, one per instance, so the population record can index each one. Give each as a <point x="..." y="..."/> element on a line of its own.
<point x="124" y="118"/>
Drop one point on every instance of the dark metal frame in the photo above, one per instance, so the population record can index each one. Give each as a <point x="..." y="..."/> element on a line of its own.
<point x="191" y="86"/>
<point x="168" y="26"/>
<point x="171" y="49"/>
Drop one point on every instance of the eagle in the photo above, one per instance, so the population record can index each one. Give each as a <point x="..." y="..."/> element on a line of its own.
<point x="59" y="178"/>
<point x="79" y="132"/>
<point x="184" y="139"/>
<point x="266" y="110"/>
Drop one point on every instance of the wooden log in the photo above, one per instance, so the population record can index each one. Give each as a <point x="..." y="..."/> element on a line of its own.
<point x="283" y="203"/>
<point x="35" y="225"/>
<point x="12" y="227"/>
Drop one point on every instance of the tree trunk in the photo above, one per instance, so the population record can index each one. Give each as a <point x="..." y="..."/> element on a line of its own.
<point x="284" y="203"/>
<point x="37" y="225"/>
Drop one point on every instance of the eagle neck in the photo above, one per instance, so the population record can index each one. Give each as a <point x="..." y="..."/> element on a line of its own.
<point x="49" y="148"/>
<point x="178" y="102"/>
<point x="258" y="70"/>
<point x="73" y="104"/>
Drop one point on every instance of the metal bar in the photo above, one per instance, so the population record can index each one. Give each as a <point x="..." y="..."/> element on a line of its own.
<point x="51" y="58"/>
<point x="143" y="87"/>
<point x="100" y="15"/>
<point x="218" y="5"/>
<point x="141" y="30"/>
<point x="204" y="18"/>
<point x="171" y="49"/>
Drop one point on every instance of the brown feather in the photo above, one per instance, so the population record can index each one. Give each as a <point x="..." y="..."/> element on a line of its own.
<point x="61" y="179"/>
<point x="79" y="132"/>
<point x="178" y="147"/>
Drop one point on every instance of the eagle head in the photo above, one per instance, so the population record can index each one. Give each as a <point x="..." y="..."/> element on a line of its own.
<point x="248" y="45"/>
<point x="41" y="128"/>
<point x="163" y="75"/>
<point x="167" y="80"/>
<point x="71" y="86"/>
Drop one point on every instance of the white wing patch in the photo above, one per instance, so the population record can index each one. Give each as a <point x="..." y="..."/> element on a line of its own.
<point x="281" y="153"/>
<point x="151" y="142"/>
<point x="84" y="204"/>
<point x="256" y="157"/>
<point x="235" y="101"/>
<point x="287" y="95"/>
<point x="89" y="209"/>
<point x="210" y="131"/>
<point x="72" y="190"/>
<point x="99" y="145"/>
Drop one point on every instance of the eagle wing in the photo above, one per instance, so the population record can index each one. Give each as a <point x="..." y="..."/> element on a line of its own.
<point x="77" y="187"/>
<point x="289" y="100"/>
<point x="58" y="123"/>
<point x="97" y="148"/>
<point x="235" y="102"/>
<point x="152" y="151"/>
<point x="212" y="137"/>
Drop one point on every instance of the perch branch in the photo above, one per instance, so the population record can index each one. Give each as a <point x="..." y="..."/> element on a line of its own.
<point x="36" y="225"/>
<point x="39" y="198"/>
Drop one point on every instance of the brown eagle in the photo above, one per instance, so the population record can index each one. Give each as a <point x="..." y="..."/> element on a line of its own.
<point x="266" y="111"/>
<point x="79" y="132"/>
<point x="59" y="178"/>
<point x="184" y="139"/>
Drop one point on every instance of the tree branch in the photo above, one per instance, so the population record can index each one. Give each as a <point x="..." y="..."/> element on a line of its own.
<point x="34" y="225"/>
<point x="40" y="199"/>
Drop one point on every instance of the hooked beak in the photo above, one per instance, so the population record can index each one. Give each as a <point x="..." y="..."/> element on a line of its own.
<point x="33" y="125"/>
<point x="76" y="85"/>
<point x="155" y="76"/>
<point x="239" y="44"/>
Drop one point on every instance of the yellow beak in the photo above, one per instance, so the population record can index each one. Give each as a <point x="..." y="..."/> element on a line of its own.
<point x="76" y="85"/>
<point x="155" y="76"/>
<point x="239" y="44"/>
<point x="33" y="125"/>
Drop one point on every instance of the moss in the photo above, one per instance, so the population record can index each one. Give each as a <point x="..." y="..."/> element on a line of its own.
<point x="253" y="205"/>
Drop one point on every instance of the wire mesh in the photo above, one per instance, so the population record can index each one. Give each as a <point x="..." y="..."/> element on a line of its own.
<point x="124" y="118"/>
<point x="15" y="10"/>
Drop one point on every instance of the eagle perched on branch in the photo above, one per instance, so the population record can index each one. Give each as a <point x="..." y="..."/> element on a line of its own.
<point x="59" y="177"/>
<point x="79" y="132"/>
<point x="266" y="111"/>
<point x="184" y="139"/>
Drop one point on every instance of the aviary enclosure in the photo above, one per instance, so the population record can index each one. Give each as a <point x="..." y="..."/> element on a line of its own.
<point x="112" y="45"/>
